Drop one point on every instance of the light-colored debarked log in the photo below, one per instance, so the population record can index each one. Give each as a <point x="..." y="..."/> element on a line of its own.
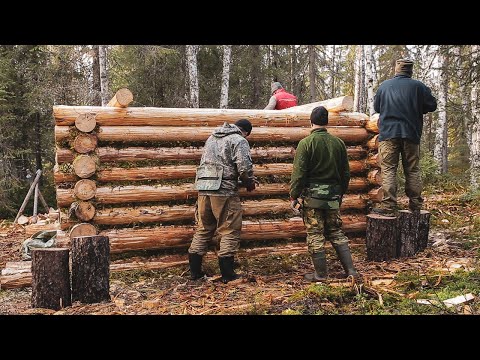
<point x="372" y="123"/>
<point x="373" y="160"/>
<point x="181" y="236"/>
<point x="372" y="144"/>
<point x="84" y="210"/>
<point x="85" y="121"/>
<point x="83" y="229"/>
<point x="85" y="143"/>
<point x="84" y="189"/>
<point x="124" y="134"/>
<point x="146" y="193"/>
<point x="376" y="195"/>
<point x="153" y="116"/>
<point x="342" y="103"/>
<point x="150" y="214"/>
<point x="375" y="177"/>
<point x="84" y="166"/>
<point x="132" y="154"/>
<point x="172" y="172"/>
<point x="34" y="228"/>
<point x="122" y="98"/>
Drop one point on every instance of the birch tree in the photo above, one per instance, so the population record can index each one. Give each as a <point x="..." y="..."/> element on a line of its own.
<point x="102" y="58"/>
<point x="474" y="143"/>
<point x="227" y="58"/>
<point x="359" y="79"/>
<point x="369" y="78"/>
<point x="441" y="140"/>
<point x="96" y="87"/>
<point x="192" y="51"/>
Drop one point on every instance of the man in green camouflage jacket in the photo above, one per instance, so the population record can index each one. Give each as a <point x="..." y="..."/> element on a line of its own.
<point x="320" y="177"/>
<point x="225" y="160"/>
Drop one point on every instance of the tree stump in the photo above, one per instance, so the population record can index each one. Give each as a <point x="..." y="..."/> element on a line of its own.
<point x="86" y="122"/>
<point x="381" y="237"/>
<point x="85" y="189"/>
<point x="90" y="269"/>
<point x="50" y="278"/>
<point x="85" y="143"/>
<point x="412" y="232"/>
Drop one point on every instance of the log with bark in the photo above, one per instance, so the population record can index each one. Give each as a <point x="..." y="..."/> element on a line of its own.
<point x="152" y="214"/>
<point x="381" y="237"/>
<point x="124" y="134"/>
<point x="172" y="172"/>
<point x="372" y="123"/>
<point x="342" y="103"/>
<point x="122" y="98"/>
<point x="50" y="278"/>
<point x="376" y="195"/>
<point x="146" y="193"/>
<point x="153" y="116"/>
<point x="413" y="231"/>
<point x="132" y="154"/>
<point x="90" y="269"/>
<point x="180" y="236"/>
<point x="373" y="160"/>
<point x="85" y="122"/>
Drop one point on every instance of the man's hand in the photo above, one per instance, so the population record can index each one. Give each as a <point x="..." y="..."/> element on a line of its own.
<point x="296" y="206"/>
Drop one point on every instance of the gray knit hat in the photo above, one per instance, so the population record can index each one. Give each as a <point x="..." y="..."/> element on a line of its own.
<point x="275" y="86"/>
<point x="404" y="66"/>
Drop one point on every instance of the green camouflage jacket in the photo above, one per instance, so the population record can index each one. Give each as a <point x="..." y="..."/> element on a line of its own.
<point x="320" y="159"/>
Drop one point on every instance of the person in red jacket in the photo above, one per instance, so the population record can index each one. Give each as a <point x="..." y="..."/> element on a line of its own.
<point x="280" y="99"/>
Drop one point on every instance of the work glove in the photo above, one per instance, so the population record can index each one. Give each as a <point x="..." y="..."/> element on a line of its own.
<point x="296" y="206"/>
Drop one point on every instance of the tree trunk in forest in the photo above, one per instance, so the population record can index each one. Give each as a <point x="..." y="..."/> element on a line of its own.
<point x="359" y="80"/>
<point x="412" y="232"/>
<point x="50" y="278"/>
<point x="333" y="72"/>
<point x="90" y="269"/>
<point x="312" y="66"/>
<point x="102" y="57"/>
<point x="441" y="135"/>
<point x="369" y="78"/>
<point x="96" y="88"/>
<point x="293" y="70"/>
<point x="227" y="58"/>
<point x="475" y="132"/>
<point x="192" y="51"/>
<point x="381" y="237"/>
<point x="38" y="143"/>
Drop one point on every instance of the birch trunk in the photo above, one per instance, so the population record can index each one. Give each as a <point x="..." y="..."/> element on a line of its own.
<point x="369" y="78"/>
<point x="192" y="51"/>
<point x="474" y="142"/>
<point x="227" y="58"/>
<point x="357" y="97"/>
<point x="440" y="151"/>
<point x="96" y="88"/>
<point x="102" y="57"/>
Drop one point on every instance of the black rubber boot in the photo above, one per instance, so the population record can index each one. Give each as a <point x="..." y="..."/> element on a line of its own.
<point x="320" y="264"/>
<point x="343" y="252"/>
<point x="195" y="262"/>
<point x="226" y="268"/>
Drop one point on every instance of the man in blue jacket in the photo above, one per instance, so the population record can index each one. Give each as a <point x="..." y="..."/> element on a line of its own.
<point x="401" y="103"/>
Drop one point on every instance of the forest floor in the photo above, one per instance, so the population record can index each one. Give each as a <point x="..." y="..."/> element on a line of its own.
<point x="273" y="284"/>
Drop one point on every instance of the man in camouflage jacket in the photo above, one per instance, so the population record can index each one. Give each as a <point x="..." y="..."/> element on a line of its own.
<point x="320" y="177"/>
<point x="225" y="160"/>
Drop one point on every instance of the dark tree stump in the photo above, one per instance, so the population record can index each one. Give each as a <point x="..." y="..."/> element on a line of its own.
<point x="50" y="278"/>
<point x="381" y="237"/>
<point x="90" y="269"/>
<point x="412" y="232"/>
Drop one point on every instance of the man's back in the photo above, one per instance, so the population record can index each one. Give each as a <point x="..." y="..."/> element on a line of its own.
<point x="401" y="102"/>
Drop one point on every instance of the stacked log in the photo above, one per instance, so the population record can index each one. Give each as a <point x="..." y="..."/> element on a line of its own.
<point x="134" y="168"/>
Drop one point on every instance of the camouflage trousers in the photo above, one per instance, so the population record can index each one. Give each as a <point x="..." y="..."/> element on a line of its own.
<point x="321" y="225"/>
<point x="217" y="213"/>
<point x="389" y="152"/>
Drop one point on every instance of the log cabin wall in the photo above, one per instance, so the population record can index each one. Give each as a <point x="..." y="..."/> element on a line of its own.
<point x="128" y="172"/>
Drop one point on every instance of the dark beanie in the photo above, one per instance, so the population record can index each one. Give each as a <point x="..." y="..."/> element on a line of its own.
<point x="404" y="66"/>
<point x="245" y="125"/>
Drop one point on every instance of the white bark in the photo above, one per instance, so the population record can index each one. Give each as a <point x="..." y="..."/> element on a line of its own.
<point x="102" y="57"/>
<point x="369" y="78"/>
<point x="192" y="51"/>
<point x="359" y="80"/>
<point x="474" y="142"/>
<point x="227" y="58"/>
<point x="441" y="140"/>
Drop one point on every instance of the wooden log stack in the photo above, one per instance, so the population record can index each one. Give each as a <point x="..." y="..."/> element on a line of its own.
<point x="128" y="172"/>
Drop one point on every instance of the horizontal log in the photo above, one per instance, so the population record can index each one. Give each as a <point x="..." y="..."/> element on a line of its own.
<point x="146" y="193"/>
<point x="342" y="103"/>
<point x="372" y="123"/>
<point x="375" y="177"/>
<point x="373" y="160"/>
<point x="124" y="134"/>
<point x="132" y="154"/>
<point x="376" y="195"/>
<point x="171" y="172"/>
<point x="150" y="116"/>
<point x="150" y="214"/>
<point x="372" y="144"/>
